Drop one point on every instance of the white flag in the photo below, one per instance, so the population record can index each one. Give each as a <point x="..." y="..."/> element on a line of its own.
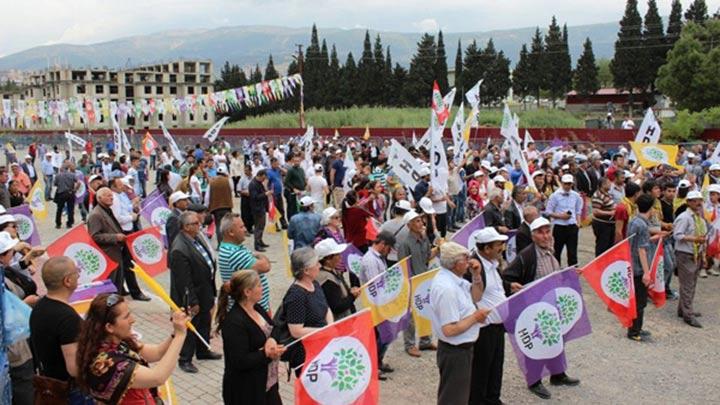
<point x="473" y="95"/>
<point x="715" y="158"/>
<point x="527" y="140"/>
<point x="126" y="143"/>
<point x="457" y="134"/>
<point x="173" y="146"/>
<point x="649" y="131"/>
<point x="509" y="127"/>
<point x="350" y="169"/>
<point x="439" y="172"/>
<point x="307" y="164"/>
<point x="414" y="140"/>
<point x="214" y="130"/>
<point x="403" y="164"/>
<point x="117" y="135"/>
<point x="76" y="139"/>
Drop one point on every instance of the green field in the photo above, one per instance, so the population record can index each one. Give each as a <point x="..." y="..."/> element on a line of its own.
<point x="379" y="117"/>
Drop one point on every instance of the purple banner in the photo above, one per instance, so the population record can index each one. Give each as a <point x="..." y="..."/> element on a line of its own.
<point x="541" y="318"/>
<point x="351" y="259"/>
<point x="156" y="212"/>
<point x="25" y="222"/>
<point x="91" y="290"/>
<point x="389" y="329"/>
<point x="464" y="235"/>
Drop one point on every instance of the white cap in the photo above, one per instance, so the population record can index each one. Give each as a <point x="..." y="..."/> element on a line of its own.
<point x="714" y="166"/>
<point x="221" y="170"/>
<point x="410" y="216"/>
<point x="683" y="184"/>
<point x="565" y="167"/>
<point x="488" y="235"/>
<point x="424" y="171"/>
<point x="499" y="179"/>
<point x="691" y="155"/>
<point x="338" y="151"/>
<point x="28" y="157"/>
<point x="94" y="177"/>
<point x="307" y="201"/>
<point x="403" y="205"/>
<point x="478" y="173"/>
<point x="426" y="205"/>
<point x="503" y="169"/>
<point x="623" y="150"/>
<point x="714" y="188"/>
<point x="6" y="218"/>
<point x="6" y="242"/>
<point x="2" y="209"/>
<point x="318" y="168"/>
<point x="14" y="164"/>
<point x="48" y="154"/>
<point x="328" y="247"/>
<point x="537" y="173"/>
<point x="628" y="174"/>
<point x="84" y="153"/>
<point x="178" y="196"/>
<point x="581" y="158"/>
<point x="327" y="213"/>
<point x="486" y="165"/>
<point x="694" y="195"/>
<point x="567" y="178"/>
<point x="539" y="223"/>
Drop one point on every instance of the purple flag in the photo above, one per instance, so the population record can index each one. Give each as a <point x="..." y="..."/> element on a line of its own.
<point x="389" y="329"/>
<point x="541" y="318"/>
<point x="156" y="212"/>
<point x="25" y="222"/>
<point x="91" y="290"/>
<point x="557" y="143"/>
<point x="352" y="260"/>
<point x="465" y="235"/>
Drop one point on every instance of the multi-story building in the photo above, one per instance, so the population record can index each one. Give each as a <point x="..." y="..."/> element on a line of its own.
<point x="157" y="81"/>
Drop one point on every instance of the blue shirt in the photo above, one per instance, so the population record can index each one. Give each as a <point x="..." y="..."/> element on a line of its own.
<point x="561" y="202"/>
<point x="340" y="169"/>
<point x="275" y="179"/>
<point x="640" y="227"/>
<point x="303" y="227"/>
<point x="232" y="257"/>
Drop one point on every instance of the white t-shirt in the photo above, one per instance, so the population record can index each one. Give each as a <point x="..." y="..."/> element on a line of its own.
<point x="194" y="186"/>
<point x="317" y="185"/>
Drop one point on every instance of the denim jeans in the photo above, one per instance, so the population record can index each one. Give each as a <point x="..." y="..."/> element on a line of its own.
<point x="459" y="210"/>
<point x="48" y="186"/>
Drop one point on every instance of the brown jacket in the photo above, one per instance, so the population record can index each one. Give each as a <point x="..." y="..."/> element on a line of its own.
<point x="221" y="195"/>
<point x="103" y="228"/>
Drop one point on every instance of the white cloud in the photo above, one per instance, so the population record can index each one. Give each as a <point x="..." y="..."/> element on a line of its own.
<point x="427" y="25"/>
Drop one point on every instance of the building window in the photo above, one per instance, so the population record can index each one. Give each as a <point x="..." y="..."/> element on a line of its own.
<point x="158" y="90"/>
<point x="203" y="90"/>
<point x="99" y="89"/>
<point x="146" y="118"/>
<point x="113" y="89"/>
<point x="130" y="120"/>
<point x="191" y="117"/>
<point x="173" y="90"/>
<point x="80" y="88"/>
<point x="129" y="91"/>
<point x="148" y="89"/>
<point x="205" y="116"/>
<point x="191" y="90"/>
<point x="174" y="117"/>
<point x="173" y="78"/>
<point x="160" y="116"/>
<point x="190" y="78"/>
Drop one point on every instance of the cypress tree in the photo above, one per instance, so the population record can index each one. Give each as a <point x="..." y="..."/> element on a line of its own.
<point x="256" y="76"/>
<point x="566" y="63"/>
<point x="348" y="82"/>
<point x="674" y="24"/>
<point x="399" y="77"/>
<point x="654" y="43"/>
<point x="522" y="75"/>
<point x="586" y="74"/>
<point x="366" y="73"/>
<point x="418" y="87"/>
<point x="498" y="79"/>
<point x="697" y="12"/>
<point x="458" y="74"/>
<point x="627" y="67"/>
<point x="388" y="98"/>
<point x="441" y="67"/>
<point x="270" y="72"/>
<point x="378" y="70"/>
<point x="312" y="72"/>
<point x="471" y="66"/>
<point x="486" y="66"/>
<point x="332" y="81"/>
<point x="556" y="70"/>
<point x="536" y="62"/>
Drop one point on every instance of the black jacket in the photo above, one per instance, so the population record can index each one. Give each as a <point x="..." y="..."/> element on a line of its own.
<point x="512" y="217"/>
<point x="192" y="282"/>
<point x="522" y="269"/>
<point x="258" y="199"/>
<point x="523" y="237"/>
<point x="246" y="366"/>
<point x="493" y="216"/>
<point x="583" y="184"/>
<point x="172" y="227"/>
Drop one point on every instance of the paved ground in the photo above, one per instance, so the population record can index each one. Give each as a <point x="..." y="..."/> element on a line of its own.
<point x="680" y="366"/>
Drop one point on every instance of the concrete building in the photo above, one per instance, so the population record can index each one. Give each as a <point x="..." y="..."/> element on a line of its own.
<point x="157" y="81"/>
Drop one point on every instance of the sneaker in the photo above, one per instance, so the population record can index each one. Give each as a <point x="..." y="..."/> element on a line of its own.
<point x="703" y="273"/>
<point x="713" y="272"/>
<point x="637" y="338"/>
<point x="413" y="351"/>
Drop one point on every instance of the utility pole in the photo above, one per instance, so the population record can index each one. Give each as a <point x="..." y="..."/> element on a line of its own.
<point x="302" y="96"/>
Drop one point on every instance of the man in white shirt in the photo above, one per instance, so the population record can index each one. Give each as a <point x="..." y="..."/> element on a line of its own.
<point x="564" y="208"/>
<point x="318" y="188"/>
<point x="628" y="123"/>
<point x="455" y="321"/>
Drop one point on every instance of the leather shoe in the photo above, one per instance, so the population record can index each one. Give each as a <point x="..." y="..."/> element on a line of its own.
<point x="188" y="367"/>
<point x="645" y="333"/>
<point x="385" y="368"/>
<point x="141" y="297"/>
<point x="693" y="322"/>
<point x="431" y="346"/>
<point x="540" y="390"/>
<point x="695" y="314"/>
<point x="413" y="351"/>
<point x="263" y="244"/>
<point x="209" y="356"/>
<point x="382" y="376"/>
<point x="563" y="379"/>
<point x="259" y="249"/>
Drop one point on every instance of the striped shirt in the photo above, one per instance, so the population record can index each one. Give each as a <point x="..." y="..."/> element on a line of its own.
<point x="546" y="262"/>
<point x="232" y="257"/>
<point x="603" y="201"/>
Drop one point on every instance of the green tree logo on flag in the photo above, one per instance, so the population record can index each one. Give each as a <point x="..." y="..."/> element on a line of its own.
<point x="393" y="280"/>
<point x="148" y="248"/>
<point x="89" y="261"/>
<point x="159" y="218"/>
<point x="615" y="282"/>
<point x="654" y="154"/>
<point x="24" y="226"/>
<point x="538" y="331"/>
<point x="547" y="328"/>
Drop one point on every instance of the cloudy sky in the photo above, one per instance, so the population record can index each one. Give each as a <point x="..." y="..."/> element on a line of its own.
<point x="42" y="22"/>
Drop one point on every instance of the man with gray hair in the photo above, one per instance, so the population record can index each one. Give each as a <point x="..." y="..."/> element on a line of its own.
<point x="192" y="286"/>
<point x="233" y="256"/>
<point x="493" y="213"/>
<point x="456" y="321"/>
<point x="523" y="237"/>
<point x="66" y="184"/>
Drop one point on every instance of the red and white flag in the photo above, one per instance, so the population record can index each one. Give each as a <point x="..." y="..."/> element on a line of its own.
<point x="611" y="276"/>
<point x="340" y="364"/>
<point x="442" y="112"/>
<point x="77" y="244"/>
<point x="148" y="144"/>
<point x="656" y="291"/>
<point x="147" y="249"/>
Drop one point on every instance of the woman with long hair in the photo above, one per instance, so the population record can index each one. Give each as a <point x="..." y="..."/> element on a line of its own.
<point x="251" y="355"/>
<point x="163" y="185"/>
<point x="113" y="363"/>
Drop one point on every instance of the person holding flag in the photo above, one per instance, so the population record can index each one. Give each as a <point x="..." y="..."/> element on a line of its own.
<point x="456" y="321"/>
<point x="564" y="208"/>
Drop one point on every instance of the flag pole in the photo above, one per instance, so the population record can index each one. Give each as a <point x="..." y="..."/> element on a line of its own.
<point x="325" y="327"/>
<point x="160" y="292"/>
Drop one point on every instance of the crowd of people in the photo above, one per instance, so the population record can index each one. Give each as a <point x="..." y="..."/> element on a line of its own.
<point x="327" y="207"/>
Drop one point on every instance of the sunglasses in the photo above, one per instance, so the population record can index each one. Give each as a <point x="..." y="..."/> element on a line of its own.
<point x="111" y="301"/>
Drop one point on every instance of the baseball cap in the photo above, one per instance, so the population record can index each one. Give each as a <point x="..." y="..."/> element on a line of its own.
<point x="694" y="195"/>
<point x="426" y="205"/>
<point x="683" y="184"/>
<point x="307" y="201"/>
<point x="714" y="188"/>
<point x="568" y="178"/>
<point x="499" y="179"/>
<point x="221" y="170"/>
<point x="478" y="173"/>
<point x="318" y="168"/>
<point x="537" y="173"/>
<point x="410" y="216"/>
<point x="94" y="177"/>
<point x="714" y="166"/>
<point x="327" y="213"/>
<point x="6" y="242"/>
<point x="28" y="157"/>
<point x="489" y="235"/>
<point x="424" y="172"/>
<point x="539" y="223"/>
<point x="6" y="218"/>
<point x="486" y="165"/>
<point x="178" y="196"/>
<point x="691" y="155"/>
<point x="403" y="205"/>
<point x="328" y="247"/>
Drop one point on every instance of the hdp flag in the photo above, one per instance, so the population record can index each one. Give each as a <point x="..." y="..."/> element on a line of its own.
<point x="156" y="212"/>
<point x="656" y="291"/>
<point x="340" y="364"/>
<point x="25" y="223"/>
<point x="611" y="276"/>
<point x="147" y="249"/>
<point x="541" y="318"/>
<point x="148" y="144"/>
<point x="421" y="285"/>
<point x="80" y="193"/>
<point x="288" y="246"/>
<point x="388" y="297"/>
<point x="91" y="290"/>
<point x="77" y="244"/>
<point x="653" y="154"/>
<point x="36" y="200"/>
<point x="352" y="260"/>
<point x="466" y="235"/>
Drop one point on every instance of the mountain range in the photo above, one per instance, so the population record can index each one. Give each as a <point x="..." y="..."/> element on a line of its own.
<point x="250" y="45"/>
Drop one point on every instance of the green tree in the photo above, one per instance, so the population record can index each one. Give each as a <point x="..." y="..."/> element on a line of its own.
<point x="537" y="65"/>
<point x="697" y="12"/>
<point x="399" y="78"/>
<point x="348" y="82"/>
<point x="388" y="98"/>
<point x="675" y="24"/>
<point x="522" y="75"/>
<point x="471" y="66"/>
<point x="557" y="62"/>
<point x="627" y="67"/>
<point x="654" y="43"/>
<point x="690" y="76"/>
<point x="366" y="73"/>
<point x="419" y="83"/>
<point x="332" y="81"/>
<point x="378" y="73"/>
<point x="441" y="67"/>
<point x="312" y="72"/>
<point x="586" y="74"/>
<point x="498" y="79"/>
<point x="458" y="74"/>
<point x="270" y="72"/>
<point x="605" y="76"/>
